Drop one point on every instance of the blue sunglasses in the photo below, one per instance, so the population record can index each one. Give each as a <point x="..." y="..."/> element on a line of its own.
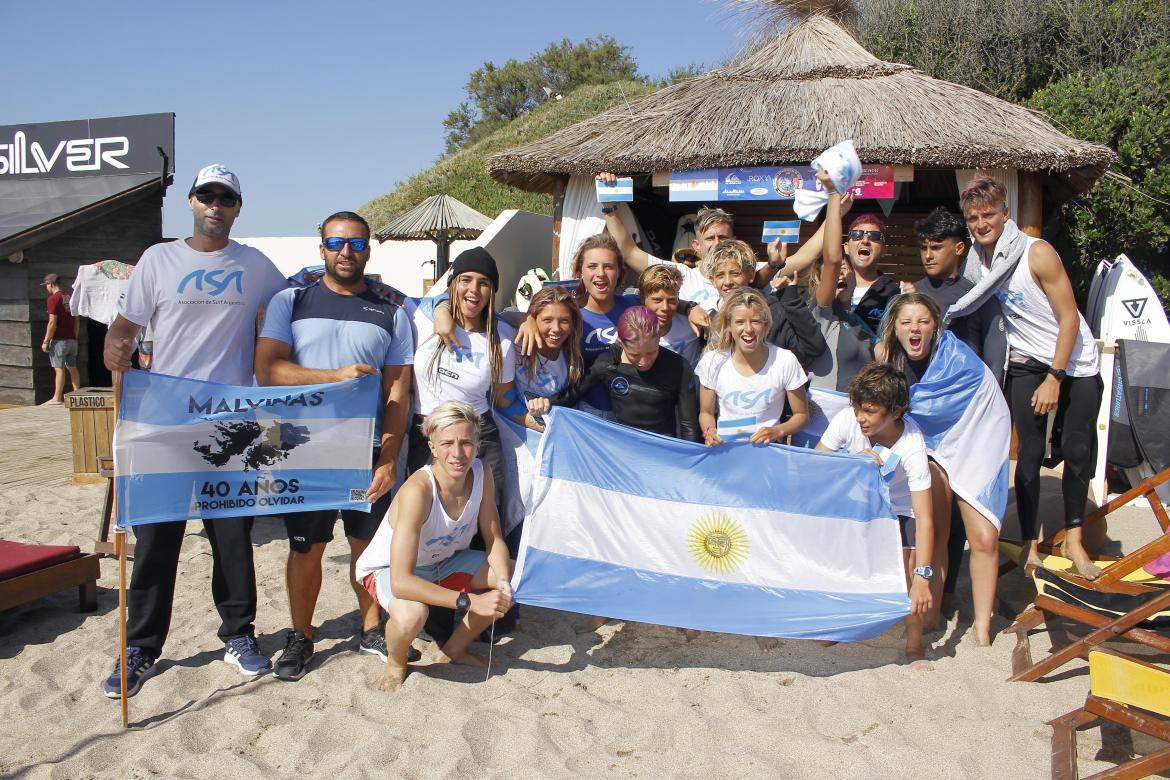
<point x="336" y="243"/>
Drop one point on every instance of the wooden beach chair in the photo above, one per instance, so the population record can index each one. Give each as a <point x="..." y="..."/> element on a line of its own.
<point x="1125" y="602"/>
<point x="1124" y="691"/>
<point x="33" y="571"/>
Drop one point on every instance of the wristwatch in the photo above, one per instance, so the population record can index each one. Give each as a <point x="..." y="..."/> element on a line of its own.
<point x="462" y="604"/>
<point x="1059" y="373"/>
<point x="608" y="209"/>
<point x="925" y="572"/>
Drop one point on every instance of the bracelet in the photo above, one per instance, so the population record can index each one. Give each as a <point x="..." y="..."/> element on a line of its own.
<point x="608" y="209"/>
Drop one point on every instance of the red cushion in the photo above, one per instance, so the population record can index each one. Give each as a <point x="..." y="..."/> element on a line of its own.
<point x="17" y="559"/>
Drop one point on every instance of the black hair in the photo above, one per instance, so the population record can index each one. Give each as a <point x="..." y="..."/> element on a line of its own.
<point x="941" y="224"/>
<point x="345" y="216"/>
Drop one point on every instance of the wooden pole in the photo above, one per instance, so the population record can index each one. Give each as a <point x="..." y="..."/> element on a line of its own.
<point x="120" y="547"/>
<point x="1031" y="216"/>
<point x="562" y="183"/>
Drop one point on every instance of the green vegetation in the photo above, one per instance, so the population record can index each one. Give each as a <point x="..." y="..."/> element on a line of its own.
<point x="463" y="175"/>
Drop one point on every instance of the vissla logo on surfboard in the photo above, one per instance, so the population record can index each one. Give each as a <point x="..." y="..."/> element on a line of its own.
<point x="1135" y="306"/>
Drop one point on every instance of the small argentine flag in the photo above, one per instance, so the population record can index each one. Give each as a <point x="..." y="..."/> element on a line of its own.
<point x="620" y="190"/>
<point x="787" y="232"/>
<point x="738" y="538"/>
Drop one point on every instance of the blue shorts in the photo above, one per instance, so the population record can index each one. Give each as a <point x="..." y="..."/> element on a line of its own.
<point x="453" y="573"/>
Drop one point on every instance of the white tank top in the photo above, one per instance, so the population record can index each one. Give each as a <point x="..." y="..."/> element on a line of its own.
<point x="440" y="536"/>
<point x="1032" y="326"/>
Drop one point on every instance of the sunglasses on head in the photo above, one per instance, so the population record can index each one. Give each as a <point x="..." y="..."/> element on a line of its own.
<point x="207" y="197"/>
<point x="335" y="243"/>
<point x="874" y="235"/>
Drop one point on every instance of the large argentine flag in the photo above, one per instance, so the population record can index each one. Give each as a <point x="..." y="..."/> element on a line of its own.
<point x="968" y="429"/>
<point x="518" y="446"/>
<point x="770" y="541"/>
<point x="188" y="449"/>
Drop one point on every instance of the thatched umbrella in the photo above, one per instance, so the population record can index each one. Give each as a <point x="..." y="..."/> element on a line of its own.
<point x="439" y="218"/>
<point x="796" y="94"/>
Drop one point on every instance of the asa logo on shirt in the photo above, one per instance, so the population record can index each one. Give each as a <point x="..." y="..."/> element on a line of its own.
<point x="601" y="337"/>
<point x="212" y="282"/>
<point x="748" y="399"/>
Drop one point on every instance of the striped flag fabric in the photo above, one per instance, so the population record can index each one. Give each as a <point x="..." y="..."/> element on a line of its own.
<point x="518" y="446"/>
<point x="787" y="231"/>
<point x="759" y="540"/>
<point x="187" y="449"/>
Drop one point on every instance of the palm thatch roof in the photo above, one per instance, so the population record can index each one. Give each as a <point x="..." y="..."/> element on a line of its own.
<point x="439" y="218"/>
<point x="792" y="97"/>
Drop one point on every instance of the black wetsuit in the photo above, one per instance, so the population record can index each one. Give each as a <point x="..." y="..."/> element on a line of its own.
<point x="662" y="400"/>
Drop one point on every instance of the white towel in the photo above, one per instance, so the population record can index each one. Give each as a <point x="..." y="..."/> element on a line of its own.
<point x="844" y="168"/>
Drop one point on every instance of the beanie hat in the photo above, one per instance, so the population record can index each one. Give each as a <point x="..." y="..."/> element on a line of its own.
<point x="477" y="259"/>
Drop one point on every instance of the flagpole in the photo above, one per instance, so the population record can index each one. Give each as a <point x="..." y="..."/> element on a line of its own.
<point x="120" y="548"/>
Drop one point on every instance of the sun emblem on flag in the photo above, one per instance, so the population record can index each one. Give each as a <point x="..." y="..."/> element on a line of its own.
<point x="717" y="543"/>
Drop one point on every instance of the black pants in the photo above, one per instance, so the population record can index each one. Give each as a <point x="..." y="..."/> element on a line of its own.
<point x="156" y="566"/>
<point x="1073" y="429"/>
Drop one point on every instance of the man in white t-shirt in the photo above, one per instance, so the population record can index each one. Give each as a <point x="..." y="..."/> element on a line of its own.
<point x="876" y="425"/>
<point x="202" y="298"/>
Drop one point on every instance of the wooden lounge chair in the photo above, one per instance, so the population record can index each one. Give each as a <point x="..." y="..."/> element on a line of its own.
<point x="1125" y="691"/>
<point x="31" y="571"/>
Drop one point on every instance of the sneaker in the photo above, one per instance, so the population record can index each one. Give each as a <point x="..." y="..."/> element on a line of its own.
<point x="291" y="665"/>
<point x="139" y="662"/>
<point x="243" y="653"/>
<point x="373" y="642"/>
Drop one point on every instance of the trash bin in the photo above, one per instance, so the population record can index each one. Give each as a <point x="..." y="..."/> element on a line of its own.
<point x="91" y="424"/>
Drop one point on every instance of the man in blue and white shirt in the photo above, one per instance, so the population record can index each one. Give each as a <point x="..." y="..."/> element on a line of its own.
<point x="339" y="327"/>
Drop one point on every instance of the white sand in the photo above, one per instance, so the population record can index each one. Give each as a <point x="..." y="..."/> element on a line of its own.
<point x="632" y="700"/>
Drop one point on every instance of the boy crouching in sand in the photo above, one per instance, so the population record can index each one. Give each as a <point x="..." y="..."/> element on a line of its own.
<point x="876" y="425"/>
<point x="420" y="555"/>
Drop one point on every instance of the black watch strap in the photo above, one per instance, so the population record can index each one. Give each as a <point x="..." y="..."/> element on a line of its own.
<point x="1059" y="373"/>
<point x="462" y="603"/>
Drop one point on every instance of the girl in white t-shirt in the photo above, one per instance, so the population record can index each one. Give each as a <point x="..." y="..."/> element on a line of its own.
<point x="876" y="425"/>
<point x="744" y="381"/>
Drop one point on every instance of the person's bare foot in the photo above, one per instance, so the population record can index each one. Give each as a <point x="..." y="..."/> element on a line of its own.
<point x="466" y="658"/>
<point x="52" y="402"/>
<point x="981" y="636"/>
<point x="592" y="624"/>
<point x="1082" y="564"/>
<point x="1029" y="559"/>
<point x="392" y="679"/>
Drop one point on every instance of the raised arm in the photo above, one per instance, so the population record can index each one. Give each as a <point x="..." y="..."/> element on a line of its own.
<point x="635" y="257"/>
<point x="831" y="244"/>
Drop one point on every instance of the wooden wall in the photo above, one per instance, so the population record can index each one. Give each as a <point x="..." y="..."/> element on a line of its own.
<point x="25" y="374"/>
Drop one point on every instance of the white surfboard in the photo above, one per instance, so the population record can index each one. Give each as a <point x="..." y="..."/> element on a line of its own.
<point x="1123" y="304"/>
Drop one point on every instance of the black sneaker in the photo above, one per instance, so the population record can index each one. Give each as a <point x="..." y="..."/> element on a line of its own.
<point x="139" y="662"/>
<point x="373" y="642"/>
<point x="298" y="649"/>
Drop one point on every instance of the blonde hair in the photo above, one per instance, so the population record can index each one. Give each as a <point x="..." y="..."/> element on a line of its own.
<point x="495" y="353"/>
<point x="707" y="218"/>
<point x="729" y="249"/>
<point x="664" y="276"/>
<point x="551" y="295"/>
<point x="451" y="413"/>
<point x="895" y="353"/>
<point x="721" y="338"/>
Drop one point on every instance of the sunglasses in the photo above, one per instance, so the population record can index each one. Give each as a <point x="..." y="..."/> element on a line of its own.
<point x="207" y="197"/>
<point x="874" y="235"/>
<point x="336" y="243"/>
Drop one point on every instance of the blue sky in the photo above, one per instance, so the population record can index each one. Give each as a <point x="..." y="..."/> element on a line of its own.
<point x="316" y="109"/>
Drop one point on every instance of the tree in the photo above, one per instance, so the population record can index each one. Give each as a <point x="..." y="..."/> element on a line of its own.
<point x="498" y="94"/>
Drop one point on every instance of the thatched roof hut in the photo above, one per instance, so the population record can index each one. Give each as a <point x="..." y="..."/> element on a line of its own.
<point x="440" y="218"/>
<point x="797" y="94"/>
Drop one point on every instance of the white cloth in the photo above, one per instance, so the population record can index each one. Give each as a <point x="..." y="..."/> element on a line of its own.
<point x="1032" y="327"/>
<point x="201" y="307"/>
<point x="904" y="465"/>
<point x="581" y="217"/>
<point x="96" y="295"/>
<point x="840" y="161"/>
<point x="463" y="376"/>
<point x="681" y="339"/>
<point x="748" y="403"/>
<point x="440" y="536"/>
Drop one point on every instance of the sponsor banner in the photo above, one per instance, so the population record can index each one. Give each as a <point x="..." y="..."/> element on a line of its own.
<point x="112" y="146"/>
<point x="770" y="182"/>
<point x="188" y="449"/>
<point x="787" y="231"/>
<point x="621" y="190"/>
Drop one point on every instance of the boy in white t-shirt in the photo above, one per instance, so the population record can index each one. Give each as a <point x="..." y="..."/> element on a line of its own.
<point x="876" y="425"/>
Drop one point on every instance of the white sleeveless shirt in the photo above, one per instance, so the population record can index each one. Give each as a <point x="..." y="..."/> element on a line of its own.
<point x="1032" y="326"/>
<point x="440" y="537"/>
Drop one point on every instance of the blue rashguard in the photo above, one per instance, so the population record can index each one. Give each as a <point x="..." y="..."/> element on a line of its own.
<point x="598" y="331"/>
<point x="328" y="330"/>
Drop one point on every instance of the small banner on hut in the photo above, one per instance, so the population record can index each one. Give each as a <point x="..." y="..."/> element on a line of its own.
<point x="186" y="449"/>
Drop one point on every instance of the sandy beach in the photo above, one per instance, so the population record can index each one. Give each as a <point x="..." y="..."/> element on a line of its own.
<point x="631" y="700"/>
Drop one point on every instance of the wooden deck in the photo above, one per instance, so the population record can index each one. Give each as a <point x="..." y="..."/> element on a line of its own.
<point x="35" y="446"/>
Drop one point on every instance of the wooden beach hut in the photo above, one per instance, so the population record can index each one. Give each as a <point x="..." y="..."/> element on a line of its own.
<point x="782" y="102"/>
